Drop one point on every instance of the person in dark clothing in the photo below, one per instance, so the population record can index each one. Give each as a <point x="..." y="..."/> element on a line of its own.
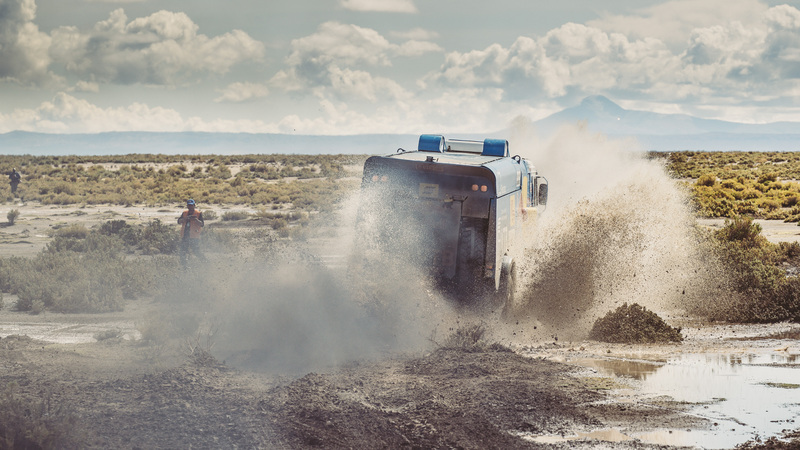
<point x="13" y="179"/>
<point x="192" y="223"/>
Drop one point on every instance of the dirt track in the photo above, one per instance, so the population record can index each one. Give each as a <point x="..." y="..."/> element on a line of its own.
<point x="446" y="399"/>
<point x="125" y="396"/>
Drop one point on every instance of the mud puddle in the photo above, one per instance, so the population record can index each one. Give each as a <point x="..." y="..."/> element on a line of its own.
<point x="742" y="395"/>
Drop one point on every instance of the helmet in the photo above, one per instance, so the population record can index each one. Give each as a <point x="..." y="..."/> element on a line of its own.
<point x="189" y="202"/>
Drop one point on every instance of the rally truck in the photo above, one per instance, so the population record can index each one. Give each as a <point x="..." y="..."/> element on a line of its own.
<point x="455" y="209"/>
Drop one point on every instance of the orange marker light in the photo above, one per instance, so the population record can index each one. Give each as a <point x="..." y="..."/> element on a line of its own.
<point x="384" y="178"/>
<point x="483" y="188"/>
<point x="474" y="187"/>
<point x="374" y="178"/>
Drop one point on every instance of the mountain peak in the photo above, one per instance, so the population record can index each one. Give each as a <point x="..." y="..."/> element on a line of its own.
<point x="601" y="104"/>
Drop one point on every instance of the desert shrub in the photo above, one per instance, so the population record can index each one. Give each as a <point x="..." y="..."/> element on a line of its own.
<point x="732" y="184"/>
<point x="714" y="202"/>
<point x="158" y="237"/>
<point x="209" y="215"/>
<point x="94" y="242"/>
<point x="777" y="214"/>
<point x="279" y="223"/>
<point x="633" y="324"/>
<point x="235" y="215"/>
<point x="77" y="231"/>
<point x="761" y="290"/>
<point x="708" y="179"/>
<point x="95" y="279"/>
<point x="767" y="178"/>
<point x="27" y="423"/>
<point x="769" y="204"/>
<point x="751" y="193"/>
<point x="12" y="216"/>
<point x="742" y="230"/>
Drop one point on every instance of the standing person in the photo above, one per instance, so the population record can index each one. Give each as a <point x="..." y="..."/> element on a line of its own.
<point x="192" y="224"/>
<point x="13" y="179"/>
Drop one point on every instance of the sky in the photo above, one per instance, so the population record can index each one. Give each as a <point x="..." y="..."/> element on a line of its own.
<point x="341" y="67"/>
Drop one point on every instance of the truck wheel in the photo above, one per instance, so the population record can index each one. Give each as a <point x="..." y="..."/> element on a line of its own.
<point x="505" y="294"/>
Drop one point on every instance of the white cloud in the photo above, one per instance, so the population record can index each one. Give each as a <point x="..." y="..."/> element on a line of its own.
<point x="455" y="111"/>
<point x="163" y="48"/>
<point x="418" y="48"/>
<point x="716" y="64"/>
<point x="241" y="92"/>
<point x="343" y="44"/>
<point x="86" y="86"/>
<point x="416" y="34"/>
<point x="68" y="114"/>
<point x="337" y="57"/>
<point x="359" y="84"/>
<point x="398" y="6"/>
<point x="784" y="16"/>
<point x="23" y="48"/>
<point x="673" y="21"/>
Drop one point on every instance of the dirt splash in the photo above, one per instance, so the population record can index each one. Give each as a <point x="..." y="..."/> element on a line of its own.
<point x="617" y="230"/>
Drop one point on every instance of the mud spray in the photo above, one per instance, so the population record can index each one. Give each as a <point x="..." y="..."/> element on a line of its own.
<point x="616" y="229"/>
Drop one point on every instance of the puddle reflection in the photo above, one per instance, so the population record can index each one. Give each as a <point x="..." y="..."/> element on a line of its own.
<point x="744" y="394"/>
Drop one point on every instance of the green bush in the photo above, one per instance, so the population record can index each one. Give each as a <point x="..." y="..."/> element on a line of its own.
<point x="82" y="275"/>
<point x="761" y="290"/>
<point x="12" y="216"/>
<point x="77" y="231"/>
<point x="708" y="179"/>
<point x="235" y="215"/>
<point x="209" y="215"/>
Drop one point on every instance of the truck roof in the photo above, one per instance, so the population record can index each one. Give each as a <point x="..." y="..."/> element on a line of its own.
<point x="482" y="158"/>
<point x="468" y="159"/>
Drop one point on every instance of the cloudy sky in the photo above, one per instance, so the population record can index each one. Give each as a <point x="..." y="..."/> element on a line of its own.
<point x="386" y="66"/>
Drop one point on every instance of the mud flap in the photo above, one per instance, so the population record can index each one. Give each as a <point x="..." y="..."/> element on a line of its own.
<point x="446" y="234"/>
<point x="504" y="296"/>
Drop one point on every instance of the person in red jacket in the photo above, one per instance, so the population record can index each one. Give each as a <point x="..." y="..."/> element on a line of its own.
<point x="192" y="223"/>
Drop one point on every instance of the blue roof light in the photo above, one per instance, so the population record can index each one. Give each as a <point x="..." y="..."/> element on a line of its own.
<point x="431" y="143"/>
<point x="495" y="147"/>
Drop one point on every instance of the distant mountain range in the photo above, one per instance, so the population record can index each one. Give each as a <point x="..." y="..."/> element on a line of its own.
<point x="670" y="132"/>
<point x="660" y="132"/>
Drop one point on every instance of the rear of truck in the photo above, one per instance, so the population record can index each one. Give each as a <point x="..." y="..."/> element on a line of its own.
<point x="452" y="208"/>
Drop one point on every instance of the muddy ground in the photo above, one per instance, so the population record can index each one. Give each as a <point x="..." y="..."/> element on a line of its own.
<point x="126" y="394"/>
<point x="536" y="393"/>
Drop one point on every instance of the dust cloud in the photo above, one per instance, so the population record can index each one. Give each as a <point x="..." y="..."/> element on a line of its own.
<point x="617" y="229"/>
<point x="281" y="308"/>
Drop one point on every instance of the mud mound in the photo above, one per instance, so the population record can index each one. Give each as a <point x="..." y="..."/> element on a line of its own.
<point x="471" y="338"/>
<point x="633" y="324"/>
